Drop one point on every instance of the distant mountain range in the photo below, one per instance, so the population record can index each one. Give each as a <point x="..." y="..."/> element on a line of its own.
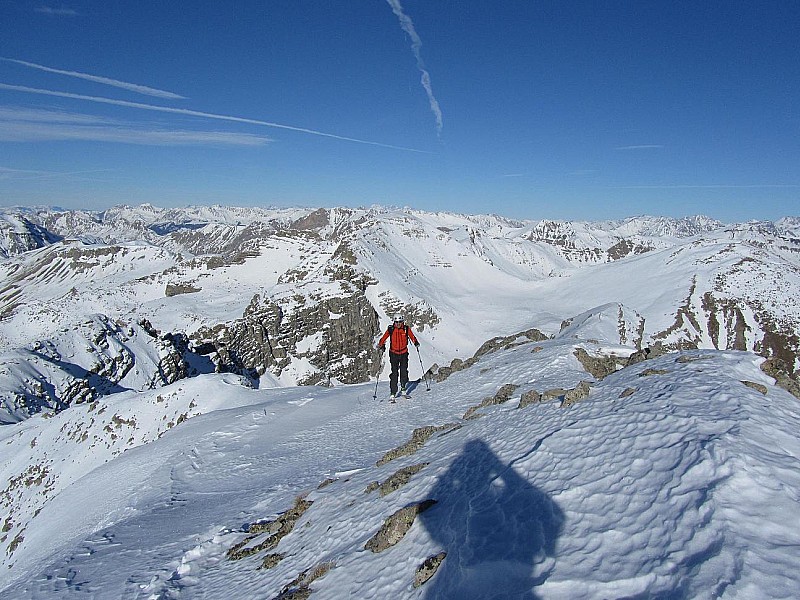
<point x="590" y="415"/>
<point x="134" y="298"/>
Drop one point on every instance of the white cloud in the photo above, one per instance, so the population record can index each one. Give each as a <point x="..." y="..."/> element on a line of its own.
<point x="31" y="125"/>
<point x="7" y="173"/>
<point x="8" y="113"/>
<point x="195" y="113"/>
<point x="56" y="12"/>
<point x="131" y="87"/>
<point x="416" y="45"/>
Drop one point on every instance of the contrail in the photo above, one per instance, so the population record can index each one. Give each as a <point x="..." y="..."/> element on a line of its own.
<point x="196" y="113"/>
<point x="131" y="87"/>
<point x="416" y="44"/>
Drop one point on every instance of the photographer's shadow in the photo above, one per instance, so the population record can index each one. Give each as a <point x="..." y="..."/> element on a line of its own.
<point x="498" y="530"/>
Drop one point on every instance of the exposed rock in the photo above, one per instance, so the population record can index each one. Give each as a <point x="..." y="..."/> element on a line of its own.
<point x="19" y="235"/>
<point x="175" y="289"/>
<point x="686" y="331"/>
<point x="271" y="560"/>
<point x="645" y="354"/>
<point x="418" y="316"/>
<point x="396" y="480"/>
<point x="268" y="337"/>
<point x="509" y="341"/>
<point x="315" y="220"/>
<point x="418" y="438"/>
<point x="277" y="530"/>
<point x="502" y="395"/>
<point x="428" y="569"/>
<point x="439" y="374"/>
<point x="529" y="397"/>
<point x="779" y="344"/>
<point x="688" y="358"/>
<point x="553" y="393"/>
<point x="626" y="247"/>
<point x="760" y="387"/>
<point x="649" y="372"/>
<point x="580" y="392"/>
<point x="778" y="370"/>
<point x="627" y="392"/>
<point x="597" y="366"/>
<point x="299" y="589"/>
<point x="733" y="322"/>
<point x="396" y="526"/>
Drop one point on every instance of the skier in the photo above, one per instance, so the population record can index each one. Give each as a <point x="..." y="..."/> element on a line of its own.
<point x="399" y="333"/>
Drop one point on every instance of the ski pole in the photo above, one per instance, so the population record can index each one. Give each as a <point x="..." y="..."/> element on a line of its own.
<point x="378" y="377"/>
<point x="424" y="374"/>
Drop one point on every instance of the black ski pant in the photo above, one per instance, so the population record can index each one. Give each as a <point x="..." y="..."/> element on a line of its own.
<point x="399" y="364"/>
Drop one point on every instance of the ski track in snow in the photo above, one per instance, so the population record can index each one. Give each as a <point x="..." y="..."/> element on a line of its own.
<point x="686" y="488"/>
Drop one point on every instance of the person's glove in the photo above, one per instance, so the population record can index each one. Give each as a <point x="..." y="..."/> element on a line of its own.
<point x="416" y="344"/>
<point x="382" y="348"/>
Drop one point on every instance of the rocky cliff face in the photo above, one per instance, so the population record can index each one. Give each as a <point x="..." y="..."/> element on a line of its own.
<point x="313" y="339"/>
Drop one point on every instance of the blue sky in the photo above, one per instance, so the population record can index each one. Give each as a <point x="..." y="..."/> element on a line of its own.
<point x="529" y="109"/>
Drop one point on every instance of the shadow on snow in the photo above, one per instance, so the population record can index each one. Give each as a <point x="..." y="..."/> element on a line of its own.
<point x="498" y="530"/>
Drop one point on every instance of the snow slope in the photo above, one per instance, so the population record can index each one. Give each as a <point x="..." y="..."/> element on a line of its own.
<point x="672" y="479"/>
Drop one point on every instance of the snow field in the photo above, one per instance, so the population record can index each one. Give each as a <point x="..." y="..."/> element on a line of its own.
<point x="687" y="488"/>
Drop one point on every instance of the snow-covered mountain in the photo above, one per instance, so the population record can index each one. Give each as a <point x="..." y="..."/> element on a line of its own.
<point x="526" y="474"/>
<point x="192" y="406"/>
<point x="297" y="296"/>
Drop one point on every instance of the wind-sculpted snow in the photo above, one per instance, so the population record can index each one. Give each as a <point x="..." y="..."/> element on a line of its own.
<point x="671" y="479"/>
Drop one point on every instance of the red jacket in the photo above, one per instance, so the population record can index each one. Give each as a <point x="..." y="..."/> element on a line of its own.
<point x="400" y="337"/>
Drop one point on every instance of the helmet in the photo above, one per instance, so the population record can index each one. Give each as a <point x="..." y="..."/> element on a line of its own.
<point x="398" y="318"/>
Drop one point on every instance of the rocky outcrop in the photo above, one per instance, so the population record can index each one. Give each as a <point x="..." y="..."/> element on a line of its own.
<point x="315" y="220"/>
<point x="418" y="438"/>
<point x="493" y="345"/>
<point x="501" y="396"/>
<point x="274" y="530"/>
<point x="626" y="247"/>
<point x="396" y="526"/>
<point x="176" y="289"/>
<point x="428" y="569"/>
<point x="779" y="370"/>
<point x="576" y="394"/>
<point x="396" y="480"/>
<point x="597" y="366"/>
<point x="645" y="354"/>
<point x="528" y="398"/>
<point x="334" y="334"/>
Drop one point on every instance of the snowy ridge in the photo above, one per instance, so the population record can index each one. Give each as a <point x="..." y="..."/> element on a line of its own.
<point x="268" y="280"/>
<point x="675" y="477"/>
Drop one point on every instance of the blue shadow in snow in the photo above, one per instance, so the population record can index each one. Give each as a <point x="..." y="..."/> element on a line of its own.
<point x="497" y="529"/>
